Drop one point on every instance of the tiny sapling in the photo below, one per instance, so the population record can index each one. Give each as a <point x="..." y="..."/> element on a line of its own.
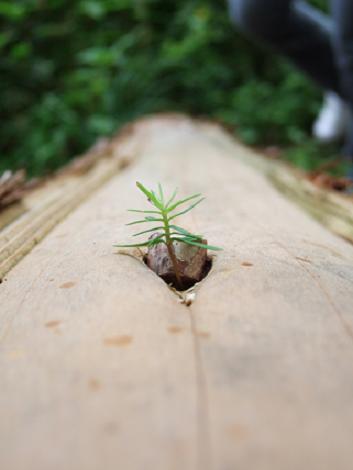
<point x="166" y="210"/>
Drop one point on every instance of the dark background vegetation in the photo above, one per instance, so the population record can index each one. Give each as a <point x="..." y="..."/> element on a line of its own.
<point x="74" y="70"/>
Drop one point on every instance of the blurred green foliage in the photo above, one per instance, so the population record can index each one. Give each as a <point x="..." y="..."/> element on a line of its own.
<point x="74" y="70"/>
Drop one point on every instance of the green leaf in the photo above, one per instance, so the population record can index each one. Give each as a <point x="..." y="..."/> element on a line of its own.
<point x="147" y="219"/>
<point x="177" y="236"/>
<point x="174" y="206"/>
<point x="182" y="231"/>
<point x="150" y="195"/>
<point x="172" y="197"/>
<point x="133" y="245"/>
<point x="156" y="201"/>
<point x="148" y="231"/>
<point x="145" y="191"/>
<point x="157" y="240"/>
<point x="188" y="209"/>
<point x="188" y="241"/>
<point x="161" y="195"/>
<point x="12" y="10"/>
<point x="152" y="242"/>
<point x="143" y="212"/>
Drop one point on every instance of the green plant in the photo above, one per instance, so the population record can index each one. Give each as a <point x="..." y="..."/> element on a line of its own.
<point x="74" y="70"/>
<point x="167" y="232"/>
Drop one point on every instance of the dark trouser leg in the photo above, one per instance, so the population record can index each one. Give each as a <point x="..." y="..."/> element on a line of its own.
<point x="342" y="13"/>
<point x="319" y="45"/>
<point x="295" y="30"/>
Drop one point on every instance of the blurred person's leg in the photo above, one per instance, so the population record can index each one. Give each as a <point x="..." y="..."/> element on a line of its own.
<point x="342" y="14"/>
<point x="295" y="30"/>
<point x="320" y="45"/>
<point x="331" y="124"/>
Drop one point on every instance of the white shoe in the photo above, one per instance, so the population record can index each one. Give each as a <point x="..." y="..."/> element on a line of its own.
<point x="332" y="121"/>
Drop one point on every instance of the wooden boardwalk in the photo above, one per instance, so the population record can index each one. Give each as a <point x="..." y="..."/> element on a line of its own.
<point x="102" y="368"/>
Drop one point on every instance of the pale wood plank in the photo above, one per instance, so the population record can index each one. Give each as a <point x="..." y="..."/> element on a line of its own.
<point x="42" y="210"/>
<point x="256" y="374"/>
<point x="332" y="209"/>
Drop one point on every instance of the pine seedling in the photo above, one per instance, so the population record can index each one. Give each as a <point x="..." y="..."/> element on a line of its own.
<point x="166" y="210"/>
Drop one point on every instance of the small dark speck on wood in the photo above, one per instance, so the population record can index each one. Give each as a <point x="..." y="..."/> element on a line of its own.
<point x="192" y="261"/>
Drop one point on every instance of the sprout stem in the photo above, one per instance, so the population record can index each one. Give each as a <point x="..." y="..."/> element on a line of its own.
<point x="171" y="250"/>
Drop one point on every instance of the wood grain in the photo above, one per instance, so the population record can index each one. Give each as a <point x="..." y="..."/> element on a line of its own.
<point x="102" y="367"/>
<point x="333" y="209"/>
<point x="47" y="207"/>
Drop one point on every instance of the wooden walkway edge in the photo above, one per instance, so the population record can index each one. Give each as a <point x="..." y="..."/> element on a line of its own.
<point x="103" y="368"/>
<point x="27" y="223"/>
<point x="32" y="221"/>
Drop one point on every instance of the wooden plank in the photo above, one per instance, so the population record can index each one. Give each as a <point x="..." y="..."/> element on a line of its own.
<point x="10" y="214"/>
<point x="331" y="208"/>
<point x="102" y="367"/>
<point x="11" y="188"/>
<point x="43" y="209"/>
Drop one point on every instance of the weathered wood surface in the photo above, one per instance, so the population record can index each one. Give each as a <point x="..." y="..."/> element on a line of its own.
<point x="333" y="209"/>
<point x="102" y="368"/>
<point x="26" y="224"/>
<point x="11" y="188"/>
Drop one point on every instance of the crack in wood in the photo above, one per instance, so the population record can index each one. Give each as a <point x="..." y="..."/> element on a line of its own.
<point x="204" y="444"/>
